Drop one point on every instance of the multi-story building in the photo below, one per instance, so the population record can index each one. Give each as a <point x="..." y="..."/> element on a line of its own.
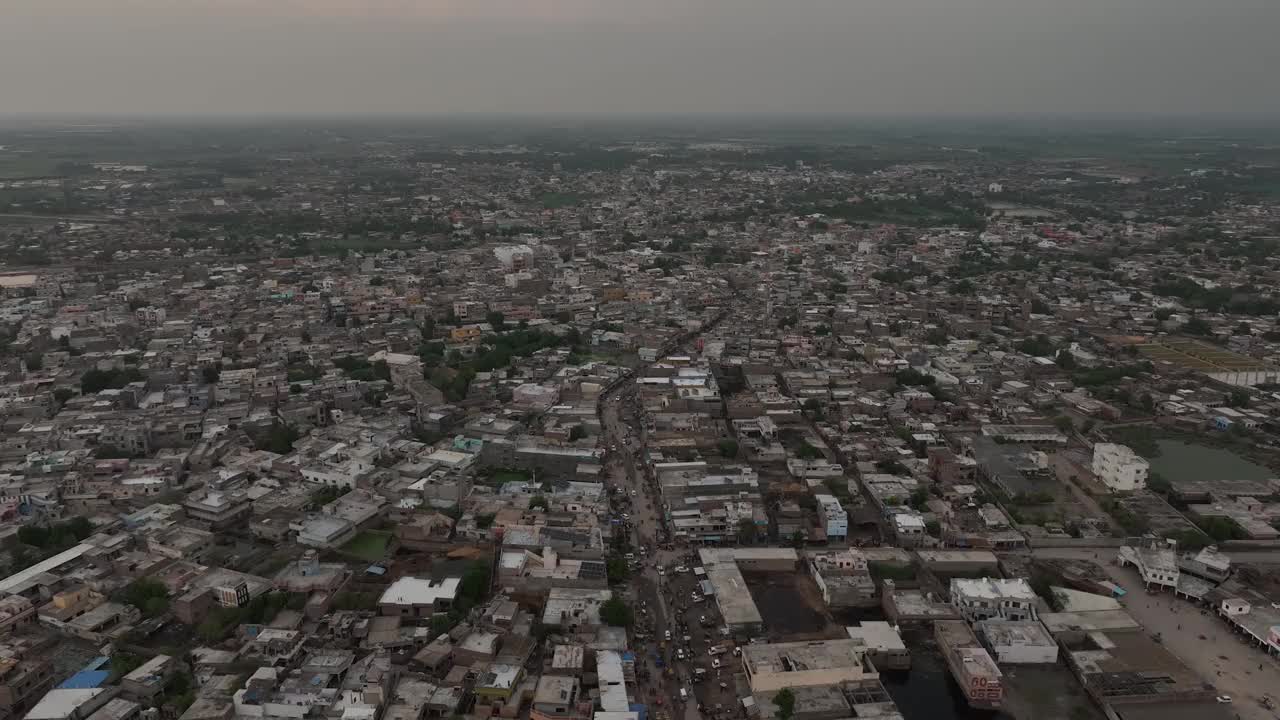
<point x="16" y="614"/>
<point x="218" y="510"/>
<point x="971" y="665"/>
<point x="1155" y="560"/>
<point x="985" y="598"/>
<point x="24" y="678"/>
<point x="835" y="519"/>
<point x="1119" y="468"/>
<point x="559" y="697"/>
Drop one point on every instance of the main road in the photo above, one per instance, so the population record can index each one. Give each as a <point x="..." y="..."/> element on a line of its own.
<point x="636" y="498"/>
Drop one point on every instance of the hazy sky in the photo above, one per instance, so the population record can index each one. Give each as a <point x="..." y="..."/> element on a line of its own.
<point x="639" y="56"/>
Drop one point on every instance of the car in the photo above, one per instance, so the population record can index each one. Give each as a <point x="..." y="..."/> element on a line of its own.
<point x="715" y="664"/>
<point x="661" y="571"/>
<point x="1223" y="699"/>
<point x="666" y="635"/>
<point x="737" y="651"/>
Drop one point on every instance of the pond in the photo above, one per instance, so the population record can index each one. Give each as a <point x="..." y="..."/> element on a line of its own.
<point x="1182" y="462"/>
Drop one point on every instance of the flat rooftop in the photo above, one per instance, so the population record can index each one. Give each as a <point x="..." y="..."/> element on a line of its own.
<point x="1131" y="665"/>
<point x="876" y="635"/>
<point x="1014" y="633"/>
<point x="772" y="666"/>
<point x="1088" y="621"/>
<point x="732" y="595"/>
<point x="983" y="557"/>
<point x="993" y="588"/>
<point x="419" y="591"/>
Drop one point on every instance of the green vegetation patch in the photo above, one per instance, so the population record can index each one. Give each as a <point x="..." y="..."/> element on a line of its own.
<point x="370" y="545"/>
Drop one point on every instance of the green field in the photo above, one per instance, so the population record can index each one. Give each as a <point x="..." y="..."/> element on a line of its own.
<point x="370" y="545"/>
<point x="1196" y="355"/>
<point x="1184" y="462"/>
<point x="505" y="476"/>
<point x="556" y="200"/>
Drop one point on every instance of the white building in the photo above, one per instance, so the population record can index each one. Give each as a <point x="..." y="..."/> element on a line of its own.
<point x="1119" y="468"/>
<point x="418" y="597"/>
<point x="1155" y="560"/>
<point x="836" y="519"/>
<point x="910" y="528"/>
<point x="514" y="257"/>
<point x="1018" y="642"/>
<point x="986" y="598"/>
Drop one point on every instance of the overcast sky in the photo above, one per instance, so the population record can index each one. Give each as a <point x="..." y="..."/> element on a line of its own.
<point x="873" y="57"/>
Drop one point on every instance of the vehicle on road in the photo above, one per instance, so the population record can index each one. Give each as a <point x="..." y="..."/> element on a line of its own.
<point x="1223" y="698"/>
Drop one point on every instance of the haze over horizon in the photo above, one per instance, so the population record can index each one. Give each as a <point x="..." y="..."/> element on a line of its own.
<point x="855" y="57"/>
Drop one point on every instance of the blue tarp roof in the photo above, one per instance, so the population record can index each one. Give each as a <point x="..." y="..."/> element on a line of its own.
<point x="86" y="680"/>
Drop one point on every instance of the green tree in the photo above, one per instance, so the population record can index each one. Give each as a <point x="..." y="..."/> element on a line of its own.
<point x="616" y="569"/>
<point x="279" y="438"/>
<point x="919" y="498"/>
<point x="728" y="448"/>
<point x="616" y="612"/>
<point x="475" y="583"/>
<point x="496" y="320"/>
<point x="538" y="501"/>
<point x="577" y="432"/>
<point x="1063" y="423"/>
<point x="1038" y="346"/>
<point x="96" y="380"/>
<point x="808" y="452"/>
<point x="1197" y="326"/>
<point x="123" y="663"/>
<point x="815" y="407"/>
<point x="210" y="373"/>
<point x="149" y="596"/>
<point x="785" y="700"/>
<point x="746" y="531"/>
